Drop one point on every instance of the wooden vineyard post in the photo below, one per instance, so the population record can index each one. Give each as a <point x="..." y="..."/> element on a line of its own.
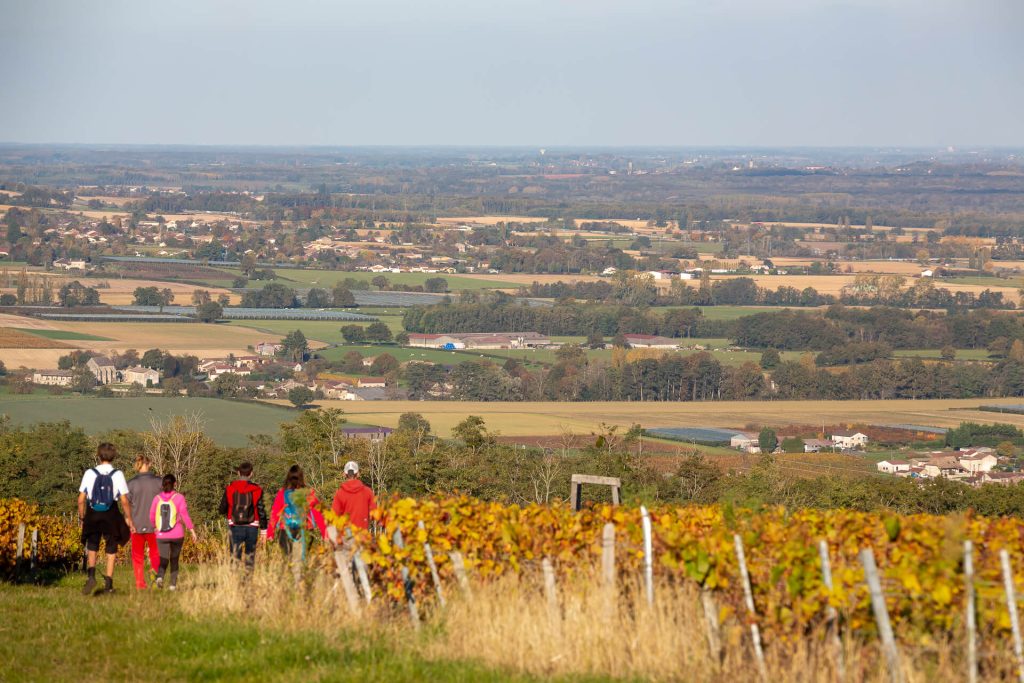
<point x="18" y="561"/>
<point x="433" y="567"/>
<point x="748" y="598"/>
<point x="971" y="614"/>
<point x="711" y="625"/>
<point x="34" y="557"/>
<point x="892" y="657"/>
<point x="608" y="555"/>
<point x="343" y="560"/>
<point x="357" y="561"/>
<point x="414" y="614"/>
<point x="550" y="590"/>
<point x="1011" y="606"/>
<point x="830" y="612"/>
<point x="648" y="557"/>
<point x="459" y="567"/>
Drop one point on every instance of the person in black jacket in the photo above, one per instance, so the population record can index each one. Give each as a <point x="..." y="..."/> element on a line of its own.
<point x="245" y="510"/>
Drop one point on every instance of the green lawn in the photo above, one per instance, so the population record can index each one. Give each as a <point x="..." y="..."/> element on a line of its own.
<point x="327" y="279"/>
<point x="53" y="633"/>
<point x="227" y="422"/>
<point x="982" y="280"/>
<point x="62" y="334"/>
<point x="400" y="352"/>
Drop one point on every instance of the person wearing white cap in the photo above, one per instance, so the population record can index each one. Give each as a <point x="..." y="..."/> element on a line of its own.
<point x="354" y="498"/>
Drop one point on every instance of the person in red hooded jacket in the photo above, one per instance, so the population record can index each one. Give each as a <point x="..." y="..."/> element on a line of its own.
<point x="354" y="498"/>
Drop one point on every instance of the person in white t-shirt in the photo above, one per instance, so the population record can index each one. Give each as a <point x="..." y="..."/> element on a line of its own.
<point x="101" y="489"/>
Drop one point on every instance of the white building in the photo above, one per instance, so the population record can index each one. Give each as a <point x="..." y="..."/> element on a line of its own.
<point x="144" y="376"/>
<point x="53" y="378"/>
<point x="976" y="463"/>
<point x="745" y="441"/>
<point x="894" y="466"/>
<point x="849" y="440"/>
<point x="650" y="341"/>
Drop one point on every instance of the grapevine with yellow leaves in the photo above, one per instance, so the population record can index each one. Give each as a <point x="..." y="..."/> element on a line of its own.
<point x="920" y="556"/>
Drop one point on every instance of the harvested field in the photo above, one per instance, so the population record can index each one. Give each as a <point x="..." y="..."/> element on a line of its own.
<point x="119" y="291"/>
<point x="526" y="279"/>
<point x="16" y="339"/>
<point x="833" y="284"/>
<point x="538" y="419"/>
<point x="205" y="341"/>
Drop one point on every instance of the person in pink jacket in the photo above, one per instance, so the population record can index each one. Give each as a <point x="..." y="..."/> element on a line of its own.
<point x="169" y="515"/>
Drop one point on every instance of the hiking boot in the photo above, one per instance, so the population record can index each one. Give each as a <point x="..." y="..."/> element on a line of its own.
<point x="108" y="585"/>
<point x="159" y="583"/>
<point x="90" y="585"/>
<point x="172" y="587"/>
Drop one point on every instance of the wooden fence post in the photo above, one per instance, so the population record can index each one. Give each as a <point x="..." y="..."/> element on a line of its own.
<point x="1011" y="606"/>
<point x="648" y="557"/>
<point x="433" y="567"/>
<point x="414" y="614"/>
<point x="830" y="612"/>
<point x="459" y="567"/>
<point x="892" y="657"/>
<point x="748" y="597"/>
<point x="971" y="614"/>
<point x="608" y="555"/>
<point x="34" y="557"/>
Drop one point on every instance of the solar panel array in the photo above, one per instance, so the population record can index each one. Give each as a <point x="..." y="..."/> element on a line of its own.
<point x="706" y="435"/>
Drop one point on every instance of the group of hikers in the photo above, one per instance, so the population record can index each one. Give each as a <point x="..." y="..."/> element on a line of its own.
<point x="152" y="515"/>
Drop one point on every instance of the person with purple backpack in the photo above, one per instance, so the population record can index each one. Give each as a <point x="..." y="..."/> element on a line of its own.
<point x="169" y="515"/>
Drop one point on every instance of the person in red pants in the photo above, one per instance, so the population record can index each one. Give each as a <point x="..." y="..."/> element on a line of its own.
<point x="142" y="489"/>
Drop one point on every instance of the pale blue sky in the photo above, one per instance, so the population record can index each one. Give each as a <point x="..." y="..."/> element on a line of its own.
<point x="502" y="72"/>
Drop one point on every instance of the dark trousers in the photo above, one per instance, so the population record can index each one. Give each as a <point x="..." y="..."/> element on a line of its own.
<point x="170" y="551"/>
<point x="243" y="541"/>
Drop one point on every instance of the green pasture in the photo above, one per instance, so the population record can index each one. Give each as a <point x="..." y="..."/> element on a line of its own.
<point x="227" y="422"/>
<point x="51" y="632"/>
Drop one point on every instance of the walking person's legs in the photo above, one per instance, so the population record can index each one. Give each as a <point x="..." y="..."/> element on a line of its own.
<point x="139" y="559"/>
<point x="164" y="548"/>
<point x="236" y="541"/>
<point x="154" y="552"/>
<point x="175" y="553"/>
<point x="252" y="534"/>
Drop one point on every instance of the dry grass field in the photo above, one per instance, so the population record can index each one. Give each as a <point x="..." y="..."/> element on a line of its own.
<point x="15" y="339"/>
<point x="530" y="278"/>
<point x="544" y="419"/>
<point x="205" y="341"/>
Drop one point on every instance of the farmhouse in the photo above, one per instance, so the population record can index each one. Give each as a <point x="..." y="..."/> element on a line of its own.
<point x="370" y="383"/>
<point x="53" y="378"/>
<point x="144" y="376"/>
<point x="817" y="445"/>
<point x="943" y="466"/>
<point x="368" y="433"/>
<point x="978" y="461"/>
<point x="745" y="441"/>
<point x="849" y="440"/>
<point x="103" y="369"/>
<point x="650" y="341"/>
<point x="894" y="466"/>
<point x="269" y="348"/>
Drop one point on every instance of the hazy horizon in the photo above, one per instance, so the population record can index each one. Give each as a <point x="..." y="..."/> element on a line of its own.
<point x="536" y="73"/>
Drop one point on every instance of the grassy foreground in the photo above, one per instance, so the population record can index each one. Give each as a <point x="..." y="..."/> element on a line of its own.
<point x="51" y="633"/>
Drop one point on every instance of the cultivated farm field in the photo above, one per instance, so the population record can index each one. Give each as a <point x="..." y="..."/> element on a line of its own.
<point x="545" y="419"/>
<point x="210" y="341"/>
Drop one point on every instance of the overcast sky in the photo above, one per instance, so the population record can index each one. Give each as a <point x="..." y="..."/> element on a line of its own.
<point x="504" y="72"/>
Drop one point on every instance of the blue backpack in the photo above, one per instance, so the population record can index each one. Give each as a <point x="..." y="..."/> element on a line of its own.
<point x="292" y="516"/>
<point x="102" y="498"/>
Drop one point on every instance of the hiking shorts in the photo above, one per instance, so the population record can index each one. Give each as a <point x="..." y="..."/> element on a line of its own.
<point x="108" y="526"/>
